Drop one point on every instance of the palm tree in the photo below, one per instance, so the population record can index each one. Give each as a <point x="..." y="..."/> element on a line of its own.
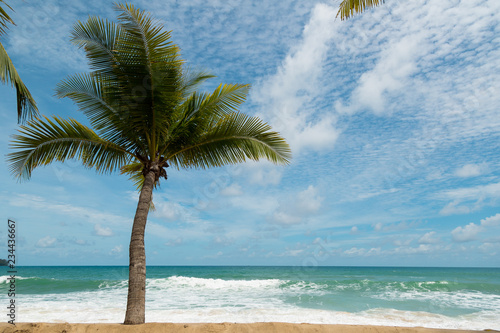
<point x="147" y="116"/>
<point x="347" y="8"/>
<point x="26" y="106"/>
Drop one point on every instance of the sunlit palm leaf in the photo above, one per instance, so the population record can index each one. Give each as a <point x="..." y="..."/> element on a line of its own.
<point x="225" y="99"/>
<point x="232" y="139"/>
<point x="4" y="17"/>
<point x="201" y="108"/>
<point x="98" y="37"/>
<point x="191" y="80"/>
<point x="112" y="124"/>
<point x="26" y="105"/>
<point x="43" y="141"/>
<point x="348" y="8"/>
<point x="134" y="171"/>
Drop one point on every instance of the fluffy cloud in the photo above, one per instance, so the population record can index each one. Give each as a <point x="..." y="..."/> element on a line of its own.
<point x="289" y="94"/>
<point x="397" y="62"/>
<point x="102" y="231"/>
<point x="232" y="190"/>
<point x="354" y="251"/>
<point x="491" y="221"/>
<point x="470" y="170"/>
<point x="469" y="199"/>
<point x="169" y="211"/>
<point x="116" y="250"/>
<point x="296" y="210"/>
<point x="429" y="238"/>
<point x="469" y="232"/>
<point x="74" y="212"/>
<point x="174" y="242"/>
<point x="46" y="242"/>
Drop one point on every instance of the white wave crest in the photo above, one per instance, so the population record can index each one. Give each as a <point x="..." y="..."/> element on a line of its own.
<point x="214" y="284"/>
<point x="6" y="278"/>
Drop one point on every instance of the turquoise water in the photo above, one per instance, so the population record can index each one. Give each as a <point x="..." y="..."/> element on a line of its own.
<point x="466" y="298"/>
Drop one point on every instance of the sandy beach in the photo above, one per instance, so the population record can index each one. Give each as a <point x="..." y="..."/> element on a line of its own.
<point x="214" y="328"/>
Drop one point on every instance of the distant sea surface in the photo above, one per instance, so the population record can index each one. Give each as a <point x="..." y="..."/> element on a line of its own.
<point x="464" y="298"/>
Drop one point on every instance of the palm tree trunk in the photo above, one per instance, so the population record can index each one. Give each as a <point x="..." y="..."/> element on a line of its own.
<point x="136" y="300"/>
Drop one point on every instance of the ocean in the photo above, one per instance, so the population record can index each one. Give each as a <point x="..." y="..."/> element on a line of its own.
<point x="460" y="298"/>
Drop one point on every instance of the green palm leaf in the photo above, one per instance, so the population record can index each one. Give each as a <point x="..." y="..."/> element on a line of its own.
<point x="134" y="171"/>
<point x="98" y="37"/>
<point x="26" y="105"/>
<point x="4" y="18"/>
<point x="191" y="80"/>
<point x="229" y="140"/>
<point x="348" y="8"/>
<point x="112" y="124"/>
<point x="43" y="141"/>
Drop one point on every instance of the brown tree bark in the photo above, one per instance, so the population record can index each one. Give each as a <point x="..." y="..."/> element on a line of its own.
<point x="136" y="300"/>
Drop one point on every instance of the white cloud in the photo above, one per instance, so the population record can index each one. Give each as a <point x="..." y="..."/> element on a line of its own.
<point x="232" y="190"/>
<point x="453" y="208"/>
<point x="355" y="252"/>
<point x="170" y="211"/>
<point x="81" y="242"/>
<point x="286" y="253"/>
<point x="174" y="242"/>
<point x="289" y="94"/>
<point x="429" y="238"/>
<point x="490" y="248"/>
<point x="393" y="227"/>
<point x="102" y="231"/>
<point x="116" y="250"/>
<point x="374" y="251"/>
<point x="467" y="233"/>
<point x="74" y="212"/>
<point x="296" y="210"/>
<point x="265" y="175"/>
<point x="213" y="256"/>
<point x="286" y="219"/>
<point x="491" y="221"/>
<point x="354" y="230"/>
<point x="469" y="199"/>
<point x="470" y="231"/>
<point x="46" y="242"/>
<point x="421" y="249"/>
<point x="470" y="170"/>
<point x="397" y="63"/>
<point x="309" y="201"/>
<point x="264" y="204"/>
<point x="222" y="240"/>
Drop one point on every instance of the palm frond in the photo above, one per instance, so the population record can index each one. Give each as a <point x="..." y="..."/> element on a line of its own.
<point x="112" y="124"/>
<point x="231" y="139"/>
<point x="191" y="80"/>
<point x="153" y="67"/>
<point x="4" y="18"/>
<point x="348" y="8"/>
<point x="26" y="105"/>
<point x="202" y="107"/>
<point x="43" y="141"/>
<point x="134" y="171"/>
<point x="146" y="37"/>
<point x="225" y="99"/>
<point x="98" y="37"/>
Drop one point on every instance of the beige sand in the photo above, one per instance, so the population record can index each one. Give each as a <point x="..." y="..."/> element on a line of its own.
<point x="212" y="328"/>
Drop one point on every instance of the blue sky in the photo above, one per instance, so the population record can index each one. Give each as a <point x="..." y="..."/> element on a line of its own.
<point x="393" y="119"/>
